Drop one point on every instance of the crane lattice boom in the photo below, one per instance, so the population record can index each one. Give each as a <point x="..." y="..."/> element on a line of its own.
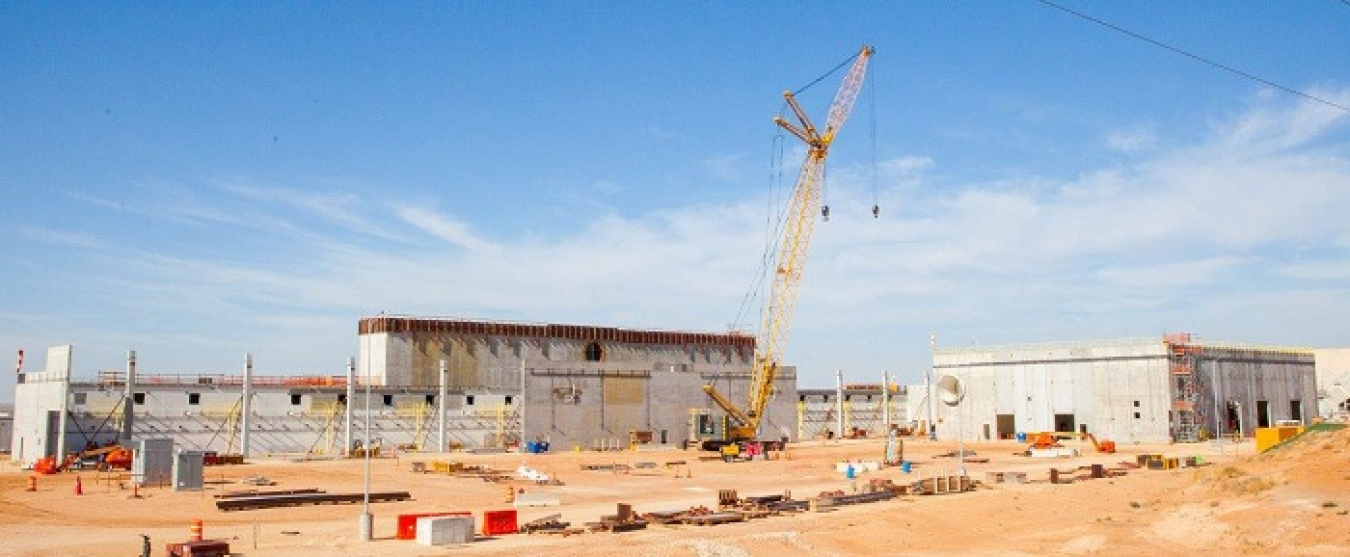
<point x="793" y="245"/>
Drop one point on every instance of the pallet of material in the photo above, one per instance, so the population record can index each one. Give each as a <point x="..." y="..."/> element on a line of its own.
<point x="257" y="492"/>
<point x="665" y="517"/>
<point x="713" y="519"/>
<point x="605" y="467"/>
<point x="942" y="484"/>
<point x="550" y="522"/>
<point x="840" y="500"/>
<point x="787" y="505"/>
<point x="295" y="500"/>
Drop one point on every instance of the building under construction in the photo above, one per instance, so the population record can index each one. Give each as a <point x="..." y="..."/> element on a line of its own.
<point x="1174" y="388"/>
<point x="852" y="410"/>
<point x="434" y="384"/>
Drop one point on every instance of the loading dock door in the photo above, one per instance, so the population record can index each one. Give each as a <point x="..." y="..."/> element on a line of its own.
<point x="1263" y="413"/>
<point x="1064" y="422"/>
<point x="1005" y="424"/>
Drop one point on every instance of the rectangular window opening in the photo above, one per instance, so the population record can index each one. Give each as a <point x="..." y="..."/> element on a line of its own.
<point x="138" y="398"/>
<point x="194" y="398"/>
<point x="295" y="399"/>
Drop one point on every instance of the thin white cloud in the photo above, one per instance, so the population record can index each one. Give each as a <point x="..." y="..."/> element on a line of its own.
<point x="338" y="207"/>
<point x="1137" y="138"/>
<point x="452" y="231"/>
<point x="724" y="167"/>
<point x="1174" y="274"/>
<point x="59" y="237"/>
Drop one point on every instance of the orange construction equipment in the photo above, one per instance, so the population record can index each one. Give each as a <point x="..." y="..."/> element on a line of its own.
<point x="1048" y="440"/>
<point x="1045" y="441"/>
<point x="45" y="465"/>
<point x="1103" y="446"/>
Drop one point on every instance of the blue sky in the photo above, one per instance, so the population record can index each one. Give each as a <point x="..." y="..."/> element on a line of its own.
<point x="197" y="181"/>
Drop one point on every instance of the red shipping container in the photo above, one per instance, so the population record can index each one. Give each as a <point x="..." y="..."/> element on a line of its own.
<point x="407" y="523"/>
<point x="499" y="522"/>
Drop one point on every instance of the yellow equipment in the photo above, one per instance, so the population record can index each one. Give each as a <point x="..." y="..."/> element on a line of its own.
<point x="792" y="250"/>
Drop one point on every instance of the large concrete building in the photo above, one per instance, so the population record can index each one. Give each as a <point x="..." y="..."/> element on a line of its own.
<point x="580" y="385"/>
<point x="503" y="384"/>
<point x="1131" y="391"/>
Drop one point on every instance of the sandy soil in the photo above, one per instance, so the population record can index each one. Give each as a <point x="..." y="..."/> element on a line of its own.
<point x="1293" y="501"/>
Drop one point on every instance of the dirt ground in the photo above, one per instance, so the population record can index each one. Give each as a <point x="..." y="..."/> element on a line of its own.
<point x="1293" y="501"/>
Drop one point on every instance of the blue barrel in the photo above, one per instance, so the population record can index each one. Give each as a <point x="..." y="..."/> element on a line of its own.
<point x="531" y="447"/>
<point x="543" y="446"/>
<point x="1021" y="437"/>
<point x="904" y="466"/>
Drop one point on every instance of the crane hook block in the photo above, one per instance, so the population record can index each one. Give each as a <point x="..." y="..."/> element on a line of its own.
<point x="876" y="211"/>
<point x="825" y="212"/>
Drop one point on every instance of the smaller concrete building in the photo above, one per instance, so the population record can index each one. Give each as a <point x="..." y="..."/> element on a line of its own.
<point x="1132" y="391"/>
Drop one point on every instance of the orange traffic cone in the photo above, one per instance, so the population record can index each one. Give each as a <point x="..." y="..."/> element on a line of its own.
<point x="79" y="487"/>
<point x="32" y="483"/>
<point x="195" y="532"/>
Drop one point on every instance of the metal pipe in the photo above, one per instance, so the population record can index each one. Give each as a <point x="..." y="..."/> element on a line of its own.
<point x="367" y="520"/>
<point x="347" y="409"/>
<point x="246" y="406"/>
<point x="928" y="385"/>
<point x="129" y="400"/>
<point x="440" y="402"/>
<point x="839" y="404"/>
<point x="885" y="402"/>
<point x="65" y="404"/>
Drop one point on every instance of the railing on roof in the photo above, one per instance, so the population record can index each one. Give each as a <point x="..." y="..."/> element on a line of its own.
<point x="1267" y="348"/>
<point x="1047" y="345"/>
<point x="1173" y="339"/>
<point x="209" y="380"/>
<point x="451" y="325"/>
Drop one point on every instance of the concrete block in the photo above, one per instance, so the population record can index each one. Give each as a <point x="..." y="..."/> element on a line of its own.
<point x="529" y="499"/>
<point x="443" y="530"/>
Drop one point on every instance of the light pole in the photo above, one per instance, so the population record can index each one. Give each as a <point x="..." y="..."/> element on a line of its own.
<point x="367" y="521"/>
<point x="928" y="383"/>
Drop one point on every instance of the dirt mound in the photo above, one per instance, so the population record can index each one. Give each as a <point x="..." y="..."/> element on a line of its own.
<point x="1233" y="479"/>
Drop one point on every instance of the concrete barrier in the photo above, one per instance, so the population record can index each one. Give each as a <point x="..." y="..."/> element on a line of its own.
<point x="443" y="530"/>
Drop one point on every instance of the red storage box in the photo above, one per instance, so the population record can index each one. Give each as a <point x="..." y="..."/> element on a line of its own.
<point x="499" y="522"/>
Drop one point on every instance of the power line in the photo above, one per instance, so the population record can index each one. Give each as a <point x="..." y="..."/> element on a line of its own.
<point x="1196" y="57"/>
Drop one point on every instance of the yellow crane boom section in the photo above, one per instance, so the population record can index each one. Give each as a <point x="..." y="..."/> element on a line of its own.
<point x="793" y="245"/>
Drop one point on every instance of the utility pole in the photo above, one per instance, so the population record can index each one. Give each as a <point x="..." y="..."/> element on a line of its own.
<point x="440" y="401"/>
<point x="246" y="406"/>
<point x="367" y="521"/>
<point x="928" y="385"/>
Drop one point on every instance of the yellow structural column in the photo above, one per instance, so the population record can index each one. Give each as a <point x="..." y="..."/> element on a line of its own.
<point x="848" y="413"/>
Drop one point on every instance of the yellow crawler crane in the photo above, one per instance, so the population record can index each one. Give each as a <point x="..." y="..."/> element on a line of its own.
<point x="792" y="250"/>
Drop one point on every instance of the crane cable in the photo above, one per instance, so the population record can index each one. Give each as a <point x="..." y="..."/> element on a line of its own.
<point x="773" y="227"/>
<point x="872" y="113"/>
